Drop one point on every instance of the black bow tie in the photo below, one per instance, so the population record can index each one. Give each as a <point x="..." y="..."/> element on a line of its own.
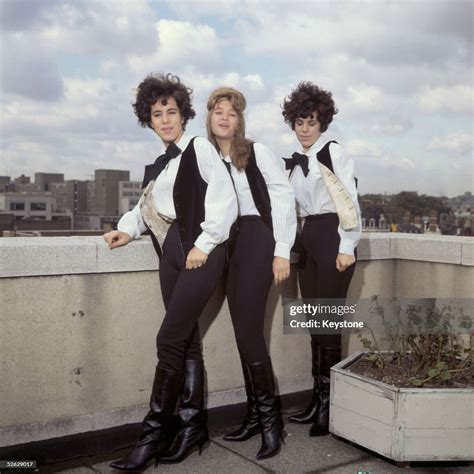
<point x="152" y="171"/>
<point x="297" y="159"/>
<point x="171" y="152"/>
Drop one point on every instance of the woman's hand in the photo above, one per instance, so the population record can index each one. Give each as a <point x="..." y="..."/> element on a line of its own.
<point x="281" y="269"/>
<point x="116" y="238"/>
<point x="196" y="258"/>
<point x="344" y="261"/>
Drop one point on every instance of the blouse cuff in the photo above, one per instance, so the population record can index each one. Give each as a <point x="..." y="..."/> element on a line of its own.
<point x="204" y="244"/>
<point x="130" y="230"/>
<point x="282" y="249"/>
<point x="346" y="247"/>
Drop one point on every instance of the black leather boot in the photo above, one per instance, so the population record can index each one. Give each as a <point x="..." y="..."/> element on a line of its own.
<point x="268" y="408"/>
<point x="156" y="437"/>
<point x="192" y="433"/>
<point x="308" y="414"/>
<point x="251" y="424"/>
<point x="329" y="356"/>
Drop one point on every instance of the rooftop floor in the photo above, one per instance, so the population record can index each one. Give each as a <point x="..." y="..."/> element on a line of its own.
<point x="299" y="454"/>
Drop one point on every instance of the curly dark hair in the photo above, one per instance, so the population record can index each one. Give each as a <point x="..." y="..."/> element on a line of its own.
<point x="306" y="99"/>
<point x="160" y="86"/>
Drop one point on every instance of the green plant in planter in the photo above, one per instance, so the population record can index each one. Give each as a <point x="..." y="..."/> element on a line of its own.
<point x="425" y="345"/>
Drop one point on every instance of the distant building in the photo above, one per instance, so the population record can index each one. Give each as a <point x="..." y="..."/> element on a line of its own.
<point x="7" y="223"/>
<point x="70" y="195"/>
<point x="373" y="218"/>
<point x="461" y="203"/>
<point x="4" y="180"/>
<point x="128" y="195"/>
<point x="18" y="185"/>
<point x="59" y="194"/>
<point x="89" y="221"/>
<point x="464" y="223"/>
<point x="107" y="191"/>
<point x="23" y="188"/>
<point x="37" y="206"/>
<point x="408" y="229"/>
<point x="433" y="227"/>
<point x="44" y="179"/>
<point x="77" y="195"/>
<point x="31" y="211"/>
<point x="90" y="199"/>
<point x="383" y="224"/>
<point x="22" y="179"/>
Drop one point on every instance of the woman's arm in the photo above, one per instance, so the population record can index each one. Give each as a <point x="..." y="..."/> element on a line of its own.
<point x="220" y="201"/>
<point x="282" y="199"/>
<point x="132" y="223"/>
<point x="130" y="227"/>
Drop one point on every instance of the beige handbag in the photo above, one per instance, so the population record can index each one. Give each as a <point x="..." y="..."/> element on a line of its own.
<point x="345" y="207"/>
<point x="157" y="224"/>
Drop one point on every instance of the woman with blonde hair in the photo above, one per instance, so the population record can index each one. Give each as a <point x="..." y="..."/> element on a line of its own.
<point x="259" y="253"/>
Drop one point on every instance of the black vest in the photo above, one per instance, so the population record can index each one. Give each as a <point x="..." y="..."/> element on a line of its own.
<point x="324" y="157"/>
<point x="259" y="190"/>
<point x="189" y="192"/>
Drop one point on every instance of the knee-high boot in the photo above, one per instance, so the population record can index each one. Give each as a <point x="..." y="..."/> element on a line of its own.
<point x="309" y="413"/>
<point x="192" y="432"/>
<point x="251" y="424"/>
<point x="268" y="408"/>
<point x="329" y="357"/>
<point x="155" y="437"/>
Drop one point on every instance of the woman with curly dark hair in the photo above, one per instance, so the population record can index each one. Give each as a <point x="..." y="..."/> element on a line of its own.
<point x="322" y="176"/>
<point x="189" y="205"/>
<point x="259" y="253"/>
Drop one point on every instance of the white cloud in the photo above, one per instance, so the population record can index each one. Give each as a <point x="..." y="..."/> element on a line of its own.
<point x="363" y="149"/>
<point x="84" y="89"/>
<point x="178" y="44"/>
<point x="460" y="142"/>
<point x="391" y="125"/>
<point x="375" y="32"/>
<point x="92" y="27"/>
<point x="218" y="8"/>
<point x="365" y="97"/>
<point x="457" y="98"/>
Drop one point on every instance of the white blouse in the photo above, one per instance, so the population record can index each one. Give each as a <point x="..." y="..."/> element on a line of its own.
<point x="311" y="193"/>
<point x="282" y="198"/>
<point x="220" y="202"/>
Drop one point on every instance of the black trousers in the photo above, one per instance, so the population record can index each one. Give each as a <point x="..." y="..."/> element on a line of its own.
<point x="320" y="278"/>
<point x="249" y="280"/>
<point x="185" y="293"/>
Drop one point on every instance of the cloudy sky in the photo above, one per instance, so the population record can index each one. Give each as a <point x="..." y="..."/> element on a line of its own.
<point x="401" y="73"/>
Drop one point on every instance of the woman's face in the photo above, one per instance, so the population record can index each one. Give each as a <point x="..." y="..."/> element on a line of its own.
<point x="224" y="120"/>
<point x="307" y="130"/>
<point x="166" y="120"/>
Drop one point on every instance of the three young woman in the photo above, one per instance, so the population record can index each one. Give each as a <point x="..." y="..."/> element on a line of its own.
<point x="189" y="204"/>
<point x="259" y="253"/>
<point x="188" y="201"/>
<point x="322" y="176"/>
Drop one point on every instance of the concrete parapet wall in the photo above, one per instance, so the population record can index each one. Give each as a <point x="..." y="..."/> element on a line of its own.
<point x="78" y="325"/>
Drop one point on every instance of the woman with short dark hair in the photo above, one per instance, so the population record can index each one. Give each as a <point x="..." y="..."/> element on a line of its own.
<point x="189" y="205"/>
<point x="260" y="253"/>
<point x="322" y="176"/>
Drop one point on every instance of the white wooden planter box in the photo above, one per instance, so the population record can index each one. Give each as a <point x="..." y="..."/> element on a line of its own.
<point x="403" y="424"/>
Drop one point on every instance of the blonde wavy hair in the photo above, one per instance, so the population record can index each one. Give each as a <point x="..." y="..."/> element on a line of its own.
<point x="240" y="147"/>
